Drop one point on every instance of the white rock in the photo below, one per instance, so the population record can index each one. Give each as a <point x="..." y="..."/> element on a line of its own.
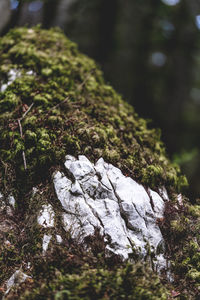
<point x="17" y="278"/>
<point x="12" y="75"/>
<point x="46" y="216"/>
<point x="2" y="202"/>
<point x="1" y="196"/>
<point x="62" y="186"/>
<point x="30" y="73"/>
<point x="9" y="211"/>
<point x="158" y="204"/>
<point x="180" y="199"/>
<point x="28" y="265"/>
<point x="59" y="239"/>
<point x="11" y="201"/>
<point x="45" y="242"/>
<point x="34" y="191"/>
<point x="79" y="169"/>
<point x="101" y="196"/>
<point x="163" y="193"/>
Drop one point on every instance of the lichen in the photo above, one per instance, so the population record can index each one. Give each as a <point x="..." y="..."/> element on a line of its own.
<point x="72" y="111"/>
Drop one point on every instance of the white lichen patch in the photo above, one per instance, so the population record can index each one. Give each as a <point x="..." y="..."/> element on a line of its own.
<point x="45" y="242"/>
<point x="100" y="196"/>
<point x="46" y="216"/>
<point x="17" y="278"/>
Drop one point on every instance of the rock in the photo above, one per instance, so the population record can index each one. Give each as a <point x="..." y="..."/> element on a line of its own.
<point x="100" y="196"/>
<point x="45" y="242"/>
<point x="11" y="201"/>
<point x="17" y="278"/>
<point x="46" y="216"/>
<point x="88" y="195"/>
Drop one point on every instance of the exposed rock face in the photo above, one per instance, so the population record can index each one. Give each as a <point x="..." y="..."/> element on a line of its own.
<point x="100" y="196"/>
<point x="95" y="197"/>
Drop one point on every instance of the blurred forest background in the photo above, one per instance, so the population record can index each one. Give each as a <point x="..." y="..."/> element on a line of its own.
<point x="149" y="51"/>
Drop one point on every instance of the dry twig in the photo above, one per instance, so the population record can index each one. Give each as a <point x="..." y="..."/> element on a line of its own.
<point x="21" y="133"/>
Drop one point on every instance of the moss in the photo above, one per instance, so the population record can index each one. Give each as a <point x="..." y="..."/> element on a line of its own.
<point x="65" y="107"/>
<point x="181" y="231"/>
<point x="8" y="101"/>
<point x="130" y="282"/>
<point x="80" y="113"/>
<point x="194" y="275"/>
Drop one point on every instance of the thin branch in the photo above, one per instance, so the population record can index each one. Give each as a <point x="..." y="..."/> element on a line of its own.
<point x="26" y="112"/>
<point x="20" y="128"/>
<point x="23" y="153"/>
<point x="21" y="133"/>
<point x="57" y="105"/>
<point x="85" y="80"/>
<point x="24" y="160"/>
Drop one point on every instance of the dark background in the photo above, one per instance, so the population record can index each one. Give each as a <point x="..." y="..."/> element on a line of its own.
<point x="149" y="51"/>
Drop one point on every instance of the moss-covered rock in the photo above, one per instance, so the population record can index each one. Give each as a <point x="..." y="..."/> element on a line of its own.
<point x="72" y="111"/>
<point x="53" y="102"/>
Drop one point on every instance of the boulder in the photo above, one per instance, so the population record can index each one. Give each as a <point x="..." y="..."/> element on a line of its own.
<point x="90" y="205"/>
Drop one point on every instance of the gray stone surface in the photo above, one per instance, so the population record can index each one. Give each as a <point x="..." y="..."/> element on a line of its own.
<point x="100" y="196"/>
<point x="17" y="278"/>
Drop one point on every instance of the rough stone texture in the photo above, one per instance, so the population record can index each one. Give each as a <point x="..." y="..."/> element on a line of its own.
<point x="46" y="216"/>
<point x="100" y="196"/>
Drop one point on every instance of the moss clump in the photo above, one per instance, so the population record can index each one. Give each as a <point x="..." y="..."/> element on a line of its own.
<point x="181" y="227"/>
<point x="72" y="111"/>
<point x="131" y="282"/>
<point x="59" y="104"/>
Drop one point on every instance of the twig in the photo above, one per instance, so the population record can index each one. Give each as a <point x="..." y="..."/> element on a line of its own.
<point x="55" y="106"/>
<point x="24" y="160"/>
<point x="85" y="80"/>
<point x="20" y="128"/>
<point x="21" y="133"/>
<point x="27" y="111"/>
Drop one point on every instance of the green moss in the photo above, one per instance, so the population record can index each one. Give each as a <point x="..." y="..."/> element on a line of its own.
<point x="194" y="275"/>
<point x="194" y="210"/>
<point x="65" y="107"/>
<point x="129" y="282"/>
<point x="40" y="100"/>
<point x="78" y="111"/>
<point x="8" y="101"/>
<point x="181" y="229"/>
